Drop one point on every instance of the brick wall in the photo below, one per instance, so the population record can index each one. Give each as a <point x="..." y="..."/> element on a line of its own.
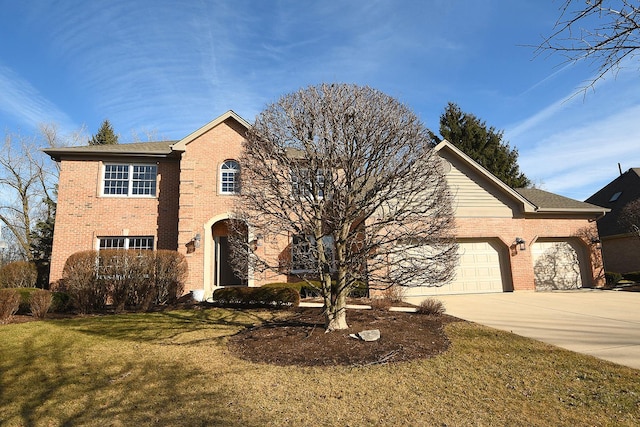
<point x="200" y="198"/>
<point x="621" y="254"/>
<point x="83" y="214"/>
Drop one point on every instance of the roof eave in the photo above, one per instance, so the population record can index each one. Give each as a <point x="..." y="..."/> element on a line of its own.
<point x="58" y="155"/>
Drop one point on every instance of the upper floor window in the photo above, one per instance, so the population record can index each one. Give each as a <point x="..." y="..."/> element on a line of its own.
<point x="304" y="183"/>
<point x="129" y="180"/>
<point x="230" y="177"/>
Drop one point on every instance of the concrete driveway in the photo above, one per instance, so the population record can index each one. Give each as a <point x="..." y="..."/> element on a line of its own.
<point x="604" y="324"/>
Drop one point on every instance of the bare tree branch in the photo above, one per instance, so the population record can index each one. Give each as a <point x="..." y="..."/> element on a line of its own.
<point x="348" y="177"/>
<point x="605" y="32"/>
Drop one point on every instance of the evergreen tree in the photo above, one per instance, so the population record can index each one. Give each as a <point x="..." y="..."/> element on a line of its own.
<point x="42" y="244"/>
<point x="104" y="136"/>
<point x="482" y="144"/>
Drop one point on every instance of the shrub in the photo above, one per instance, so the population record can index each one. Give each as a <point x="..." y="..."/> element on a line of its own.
<point x="59" y="302"/>
<point x="25" y="296"/>
<point x="80" y="282"/>
<point x="19" y="274"/>
<point x="277" y="297"/>
<point x="171" y="271"/>
<point x="612" y="278"/>
<point x="40" y="302"/>
<point x="633" y="276"/>
<point x="9" y="303"/>
<point x="312" y="288"/>
<point x="431" y="307"/>
<point x="380" y="303"/>
<point x="127" y="276"/>
<point x="126" y="279"/>
<point x="359" y="290"/>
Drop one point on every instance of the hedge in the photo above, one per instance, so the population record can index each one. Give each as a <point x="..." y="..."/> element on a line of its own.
<point x="313" y="288"/>
<point x="265" y="296"/>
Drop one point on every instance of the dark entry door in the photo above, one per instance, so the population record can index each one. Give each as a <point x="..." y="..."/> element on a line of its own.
<point x="226" y="274"/>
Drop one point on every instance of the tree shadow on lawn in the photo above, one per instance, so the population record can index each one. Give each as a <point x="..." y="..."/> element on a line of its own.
<point x="54" y="374"/>
<point x="170" y="327"/>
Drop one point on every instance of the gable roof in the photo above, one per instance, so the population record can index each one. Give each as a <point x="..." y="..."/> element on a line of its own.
<point x="180" y="145"/>
<point x="628" y="187"/>
<point x="531" y="200"/>
<point x="142" y="149"/>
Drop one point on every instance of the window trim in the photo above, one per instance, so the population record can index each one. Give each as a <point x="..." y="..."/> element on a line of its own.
<point x="126" y="242"/>
<point x="236" y="176"/>
<point x="130" y="180"/>
<point x="310" y="240"/>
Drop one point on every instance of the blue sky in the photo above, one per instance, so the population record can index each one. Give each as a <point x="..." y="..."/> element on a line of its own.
<point x="169" y="67"/>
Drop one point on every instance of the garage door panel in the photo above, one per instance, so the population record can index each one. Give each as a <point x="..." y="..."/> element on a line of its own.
<point x="556" y="265"/>
<point x="478" y="271"/>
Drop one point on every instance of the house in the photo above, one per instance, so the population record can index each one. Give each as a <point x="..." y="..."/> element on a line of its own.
<point x="620" y="245"/>
<point x="179" y="195"/>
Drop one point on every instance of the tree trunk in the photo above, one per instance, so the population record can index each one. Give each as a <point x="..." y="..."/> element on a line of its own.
<point x="336" y="313"/>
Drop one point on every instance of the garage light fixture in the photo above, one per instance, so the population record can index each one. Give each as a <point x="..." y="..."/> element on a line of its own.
<point x="520" y="243"/>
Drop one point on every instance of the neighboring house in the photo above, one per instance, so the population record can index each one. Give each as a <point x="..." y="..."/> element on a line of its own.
<point x="620" y="246"/>
<point x="179" y="195"/>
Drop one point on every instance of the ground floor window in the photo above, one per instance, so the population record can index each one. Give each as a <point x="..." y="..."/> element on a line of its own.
<point x="304" y="257"/>
<point x="126" y="242"/>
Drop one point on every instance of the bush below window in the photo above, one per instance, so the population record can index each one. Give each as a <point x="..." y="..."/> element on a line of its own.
<point x="129" y="279"/>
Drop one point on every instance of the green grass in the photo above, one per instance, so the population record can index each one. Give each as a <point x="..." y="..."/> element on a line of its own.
<point x="173" y="368"/>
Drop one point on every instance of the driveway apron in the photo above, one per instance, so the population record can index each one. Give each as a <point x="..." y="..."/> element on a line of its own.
<point x="603" y="324"/>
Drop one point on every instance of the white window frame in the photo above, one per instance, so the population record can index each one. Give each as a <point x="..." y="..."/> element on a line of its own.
<point x="149" y="185"/>
<point x="226" y="172"/>
<point x="309" y="241"/>
<point x="127" y="242"/>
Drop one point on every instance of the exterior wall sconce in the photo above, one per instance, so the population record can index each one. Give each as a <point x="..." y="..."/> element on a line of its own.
<point x="196" y="240"/>
<point x="521" y="244"/>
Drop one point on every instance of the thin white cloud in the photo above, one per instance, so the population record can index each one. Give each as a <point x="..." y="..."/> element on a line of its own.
<point x="21" y="101"/>
<point x="578" y="161"/>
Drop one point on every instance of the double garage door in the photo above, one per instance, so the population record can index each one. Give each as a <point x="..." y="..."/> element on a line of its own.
<point x="478" y="271"/>
<point x="483" y="268"/>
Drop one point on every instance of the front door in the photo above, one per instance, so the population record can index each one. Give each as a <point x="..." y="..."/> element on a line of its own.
<point x="224" y="274"/>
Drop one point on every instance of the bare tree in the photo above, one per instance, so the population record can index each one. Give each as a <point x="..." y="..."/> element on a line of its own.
<point x="28" y="181"/>
<point x="347" y="176"/>
<point x="630" y="217"/>
<point x="607" y="32"/>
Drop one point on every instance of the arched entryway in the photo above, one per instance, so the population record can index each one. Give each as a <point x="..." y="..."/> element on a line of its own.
<point x="224" y="273"/>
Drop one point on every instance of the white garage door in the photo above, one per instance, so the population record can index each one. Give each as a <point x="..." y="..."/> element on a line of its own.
<point x="478" y="271"/>
<point x="556" y="265"/>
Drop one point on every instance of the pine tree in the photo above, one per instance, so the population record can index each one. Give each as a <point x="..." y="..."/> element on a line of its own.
<point x="104" y="136"/>
<point x="482" y="144"/>
<point x="42" y="243"/>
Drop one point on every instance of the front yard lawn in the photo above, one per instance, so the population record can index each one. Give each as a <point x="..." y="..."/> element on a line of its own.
<point x="175" y="368"/>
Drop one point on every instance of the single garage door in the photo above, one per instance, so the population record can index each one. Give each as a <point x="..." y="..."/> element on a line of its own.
<point x="556" y="265"/>
<point x="478" y="271"/>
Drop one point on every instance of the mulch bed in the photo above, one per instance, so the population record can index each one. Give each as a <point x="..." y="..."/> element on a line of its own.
<point x="301" y="340"/>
